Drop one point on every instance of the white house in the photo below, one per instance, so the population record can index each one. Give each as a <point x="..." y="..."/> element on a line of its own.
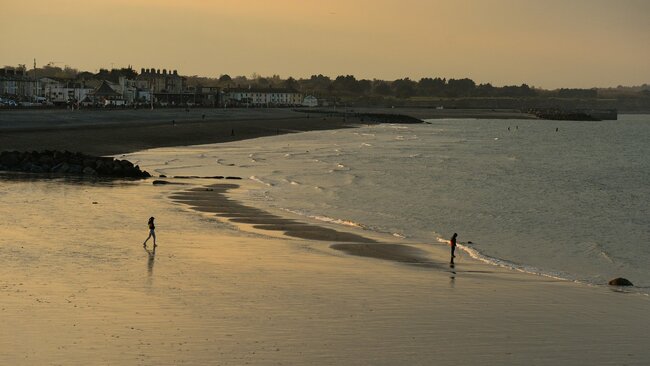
<point x="310" y="101"/>
<point x="63" y="91"/>
<point x="263" y="97"/>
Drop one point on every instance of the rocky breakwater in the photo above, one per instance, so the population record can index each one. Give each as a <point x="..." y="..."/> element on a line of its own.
<point x="68" y="163"/>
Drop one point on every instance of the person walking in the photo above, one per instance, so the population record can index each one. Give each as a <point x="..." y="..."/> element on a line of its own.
<point x="452" y="242"/>
<point x="152" y="232"/>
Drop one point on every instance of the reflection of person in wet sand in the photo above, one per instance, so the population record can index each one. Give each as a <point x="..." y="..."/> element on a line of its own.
<point x="152" y="256"/>
<point x="152" y="232"/>
<point x="452" y="242"/>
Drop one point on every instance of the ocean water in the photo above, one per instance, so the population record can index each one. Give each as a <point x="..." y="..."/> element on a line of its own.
<point x="559" y="198"/>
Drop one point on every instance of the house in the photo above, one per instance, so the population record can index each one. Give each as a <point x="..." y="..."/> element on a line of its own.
<point x="15" y="83"/>
<point x="63" y="91"/>
<point x="166" y="88"/>
<point x="262" y="97"/>
<point x="106" y="95"/>
<point x="208" y="96"/>
<point x="310" y="101"/>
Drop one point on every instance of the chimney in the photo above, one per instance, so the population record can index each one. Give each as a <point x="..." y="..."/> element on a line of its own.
<point x="175" y="72"/>
<point x="142" y="71"/>
<point x="164" y="71"/>
<point x="158" y="71"/>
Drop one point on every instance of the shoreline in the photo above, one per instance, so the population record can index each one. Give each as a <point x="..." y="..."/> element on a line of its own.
<point x="114" y="132"/>
<point x="215" y="291"/>
<point x="121" y="139"/>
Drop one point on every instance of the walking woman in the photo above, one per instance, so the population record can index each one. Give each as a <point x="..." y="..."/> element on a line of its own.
<point x="152" y="232"/>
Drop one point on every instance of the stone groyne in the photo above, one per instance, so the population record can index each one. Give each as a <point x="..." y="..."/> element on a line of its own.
<point x="368" y="117"/>
<point x="68" y="163"/>
<point x="575" y="115"/>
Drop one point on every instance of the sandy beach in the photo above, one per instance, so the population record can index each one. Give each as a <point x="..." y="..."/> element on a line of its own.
<point x="107" y="132"/>
<point x="232" y="283"/>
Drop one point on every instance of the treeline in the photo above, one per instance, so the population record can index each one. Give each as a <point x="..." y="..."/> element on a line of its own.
<point x="349" y="86"/>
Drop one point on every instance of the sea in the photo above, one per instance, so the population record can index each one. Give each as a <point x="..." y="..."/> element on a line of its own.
<point x="564" y="199"/>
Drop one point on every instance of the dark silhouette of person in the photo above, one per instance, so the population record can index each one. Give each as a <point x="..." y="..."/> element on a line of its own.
<point x="152" y="232"/>
<point x="452" y="242"/>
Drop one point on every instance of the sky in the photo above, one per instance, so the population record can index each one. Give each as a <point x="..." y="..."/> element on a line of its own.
<point x="543" y="43"/>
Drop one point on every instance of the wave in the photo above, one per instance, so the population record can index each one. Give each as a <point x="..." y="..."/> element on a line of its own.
<point x="327" y="219"/>
<point x="475" y="254"/>
<point x="258" y="180"/>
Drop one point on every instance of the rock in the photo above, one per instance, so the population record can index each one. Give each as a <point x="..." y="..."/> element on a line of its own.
<point x="125" y="164"/>
<point x="36" y="169"/>
<point x="66" y="162"/>
<point x="75" y="169"/>
<point x="9" y="158"/>
<point x="620" y="281"/>
<point x="233" y="177"/>
<point x="88" y="163"/>
<point x="162" y="176"/>
<point x="160" y="182"/>
<point x="89" y="171"/>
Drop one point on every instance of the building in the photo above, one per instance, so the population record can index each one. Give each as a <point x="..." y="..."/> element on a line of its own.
<point x="63" y="91"/>
<point x="208" y="96"/>
<point x="167" y="88"/>
<point x="15" y="84"/>
<point x="256" y="97"/>
<point x="106" y="95"/>
<point x="310" y="101"/>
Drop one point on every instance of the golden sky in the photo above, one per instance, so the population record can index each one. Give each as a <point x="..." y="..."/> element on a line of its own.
<point x="544" y="43"/>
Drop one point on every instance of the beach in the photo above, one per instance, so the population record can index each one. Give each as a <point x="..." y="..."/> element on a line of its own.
<point x="106" y="132"/>
<point x="236" y="281"/>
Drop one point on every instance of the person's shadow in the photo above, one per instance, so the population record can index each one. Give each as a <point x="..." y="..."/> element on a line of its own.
<point x="152" y="256"/>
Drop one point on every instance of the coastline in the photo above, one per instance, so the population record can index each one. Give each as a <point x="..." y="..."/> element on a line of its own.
<point x="111" y="132"/>
<point x="221" y="290"/>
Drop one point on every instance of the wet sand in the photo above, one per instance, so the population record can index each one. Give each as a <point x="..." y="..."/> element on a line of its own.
<point x="124" y="131"/>
<point x="77" y="287"/>
<point x="233" y="284"/>
<point x="110" y="132"/>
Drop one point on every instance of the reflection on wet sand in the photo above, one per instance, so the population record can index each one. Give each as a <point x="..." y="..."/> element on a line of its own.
<point x="393" y="252"/>
<point x="150" y="262"/>
<point x="212" y="199"/>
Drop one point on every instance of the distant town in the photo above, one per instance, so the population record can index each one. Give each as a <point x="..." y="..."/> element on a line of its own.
<point x="54" y="86"/>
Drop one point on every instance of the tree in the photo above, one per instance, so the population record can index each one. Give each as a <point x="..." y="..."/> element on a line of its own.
<point x="382" y="88"/>
<point x="431" y="87"/>
<point x="225" y="78"/>
<point x="404" y="88"/>
<point x="460" y="87"/>
<point x="290" y="83"/>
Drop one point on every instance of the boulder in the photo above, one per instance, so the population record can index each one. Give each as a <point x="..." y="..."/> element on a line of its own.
<point x="61" y="168"/>
<point x="75" y="169"/>
<point x="89" y="171"/>
<point x="620" y="281"/>
<point x="66" y="162"/>
<point x="125" y="164"/>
